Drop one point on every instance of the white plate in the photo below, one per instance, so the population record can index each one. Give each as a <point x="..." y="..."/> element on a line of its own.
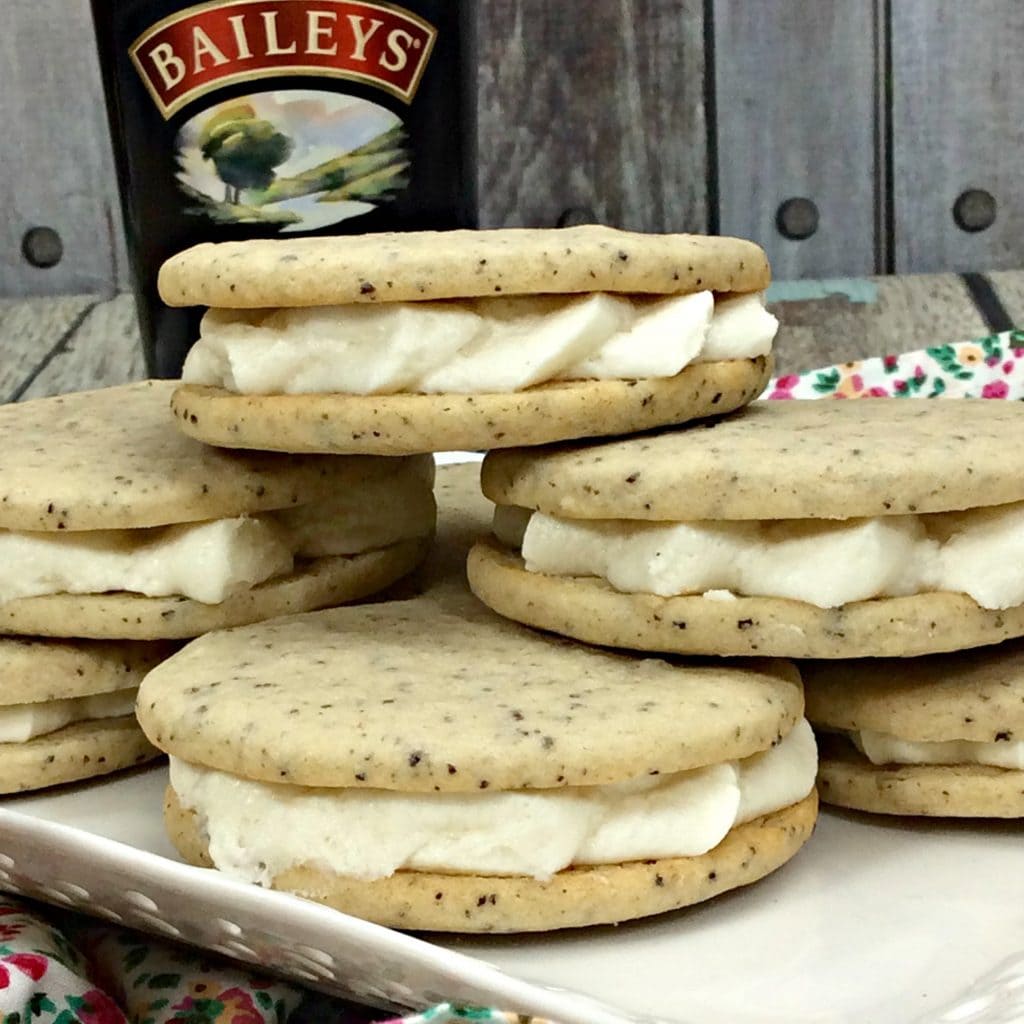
<point x="875" y="922"/>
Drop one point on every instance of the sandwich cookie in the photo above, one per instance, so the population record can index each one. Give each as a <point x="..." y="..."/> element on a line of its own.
<point x="115" y="525"/>
<point x="67" y="710"/>
<point x="417" y="342"/>
<point x="939" y="736"/>
<point x="431" y="771"/>
<point x="792" y="529"/>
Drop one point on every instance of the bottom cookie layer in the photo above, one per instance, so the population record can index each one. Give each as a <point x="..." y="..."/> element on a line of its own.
<point x="321" y="583"/>
<point x="848" y="779"/>
<point x="76" y="752"/>
<point x="588" y="609"/>
<point x="608" y="894"/>
<point x="405" y="423"/>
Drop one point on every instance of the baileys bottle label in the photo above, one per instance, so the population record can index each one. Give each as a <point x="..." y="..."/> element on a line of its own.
<point x="298" y="159"/>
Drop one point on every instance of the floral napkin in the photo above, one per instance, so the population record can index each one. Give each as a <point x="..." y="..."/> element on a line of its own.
<point x="991" y="367"/>
<point x="59" y="969"/>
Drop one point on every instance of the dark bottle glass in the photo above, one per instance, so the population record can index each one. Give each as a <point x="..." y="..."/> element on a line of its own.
<point x="237" y="119"/>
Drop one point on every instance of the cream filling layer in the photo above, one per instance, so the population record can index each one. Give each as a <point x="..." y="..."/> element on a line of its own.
<point x="20" y="723"/>
<point x="827" y="563"/>
<point x="882" y="748"/>
<point x="210" y="561"/>
<point x="479" y="345"/>
<point x="370" y="834"/>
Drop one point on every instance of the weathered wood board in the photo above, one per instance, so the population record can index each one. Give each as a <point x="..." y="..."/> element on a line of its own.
<point x="958" y="124"/>
<point x="599" y="108"/>
<point x="56" y="168"/>
<point x="606" y="113"/>
<point x="796" y="115"/>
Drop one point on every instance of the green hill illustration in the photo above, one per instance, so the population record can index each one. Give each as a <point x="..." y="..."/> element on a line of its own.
<point x="232" y="165"/>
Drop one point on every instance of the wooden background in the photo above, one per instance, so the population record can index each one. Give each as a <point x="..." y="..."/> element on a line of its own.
<point x="652" y="114"/>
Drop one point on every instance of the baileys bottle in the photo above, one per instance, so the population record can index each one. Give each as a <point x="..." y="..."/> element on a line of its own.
<point x="237" y="119"/>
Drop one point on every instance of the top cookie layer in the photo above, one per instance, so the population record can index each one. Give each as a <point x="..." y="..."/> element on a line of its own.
<point x="418" y="266"/>
<point x="976" y="695"/>
<point x="406" y="696"/>
<point x="113" y="459"/>
<point x="782" y="460"/>
<point x="41" y="670"/>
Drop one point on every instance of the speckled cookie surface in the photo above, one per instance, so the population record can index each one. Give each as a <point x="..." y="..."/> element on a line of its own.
<point x="848" y="779"/>
<point x="410" y="697"/>
<point x="416" y="266"/>
<point x="76" y="752"/>
<point x="783" y="460"/>
<point x="112" y="459"/>
<point x="404" y="424"/>
<point x="320" y="583"/>
<point x="977" y="695"/>
<point x="574" y="898"/>
<point x="588" y="609"/>
<point x="34" y="669"/>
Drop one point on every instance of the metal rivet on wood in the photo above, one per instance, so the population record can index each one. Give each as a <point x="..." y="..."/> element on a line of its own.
<point x="42" y="247"/>
<point x="797" y="218"/>
<point x="974" y="210"/>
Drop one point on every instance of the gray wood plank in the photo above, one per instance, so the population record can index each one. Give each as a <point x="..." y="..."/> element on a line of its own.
<point x="29" y="329"/>
<point x="958" y="123"/>
<point x="795" y="102"/>
<point x="104" y="350"/>
<point x="1009" y="286"/>
<point x="56" y="169"/>
<point x="599" y="106"/>
<point x="901" y="314"/>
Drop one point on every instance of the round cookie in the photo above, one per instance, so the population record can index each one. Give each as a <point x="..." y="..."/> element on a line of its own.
<point x="420" y="266"/>
<point x="111" y="459"/>
<point x="589" y="609"/>
<point x="574" y="898"/>
<point x="413" y="653"/>
<point x="782" y="460"/>
<point x="319" y="583"/>
<point x="975" y="696"/>
<point x="36" y="672"/>
<point x="404" y="424"/>
<point x="390" y="697"/>
<point x="803" y="461"/>
<point x="80" y="751"/>
<point x="41" y="670"/>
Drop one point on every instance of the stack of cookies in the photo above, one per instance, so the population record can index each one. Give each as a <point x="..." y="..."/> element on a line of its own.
<point x="838" y="531"/>
<point x="431" y="764"/>
<point x="120" y="536"/>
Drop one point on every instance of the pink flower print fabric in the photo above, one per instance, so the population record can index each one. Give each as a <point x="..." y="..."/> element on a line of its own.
<point x="991" y="367"/>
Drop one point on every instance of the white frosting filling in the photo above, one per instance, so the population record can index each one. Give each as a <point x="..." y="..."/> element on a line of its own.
<point x="827" y="563"/>
<point x="373" y="833"/>
<point x="204" y="561"/>
<point x="210" y="561"/>
<point x="20" y="723"/>
<point x="882" y="748"/>
<point x="479" y="345"/>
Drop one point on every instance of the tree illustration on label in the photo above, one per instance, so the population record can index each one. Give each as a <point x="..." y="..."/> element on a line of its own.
<point x="244" y="149"/>
<point x="294" y="159"/>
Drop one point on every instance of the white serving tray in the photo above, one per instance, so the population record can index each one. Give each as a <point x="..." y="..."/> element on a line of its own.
<point x="875" y="922"/>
